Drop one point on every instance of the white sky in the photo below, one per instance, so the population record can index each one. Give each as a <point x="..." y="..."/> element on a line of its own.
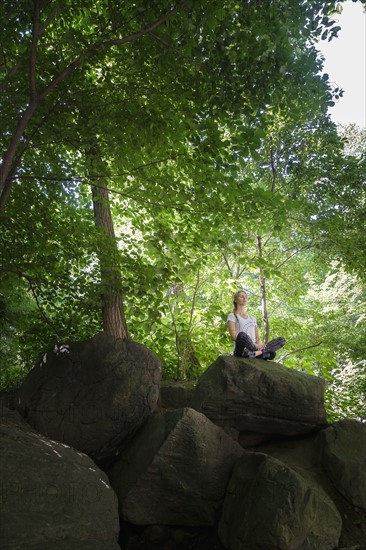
<point x="345" y="62"/>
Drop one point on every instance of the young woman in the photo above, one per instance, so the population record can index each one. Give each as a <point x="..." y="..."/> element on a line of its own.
<point x="243" y="330"/>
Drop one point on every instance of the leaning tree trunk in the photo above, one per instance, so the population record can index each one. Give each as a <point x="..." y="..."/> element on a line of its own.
<point x="114" y="321"/>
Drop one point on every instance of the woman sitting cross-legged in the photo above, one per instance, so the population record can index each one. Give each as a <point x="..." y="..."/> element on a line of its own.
<point x="243" y="330"/>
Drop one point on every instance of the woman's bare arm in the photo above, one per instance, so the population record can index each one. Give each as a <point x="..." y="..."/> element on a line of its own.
<point x="232" y="330"/>
<point x="258" y="342"/>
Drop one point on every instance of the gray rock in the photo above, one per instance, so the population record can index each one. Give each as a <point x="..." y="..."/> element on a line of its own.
<point x="91" y="395"/>
<point x="304" y="455"/>
<point x="344" y="459"/>
<point x="175" y="394"/>
<point x="52" y="496"/>
<point x="175" y="470"/>
<point x="260" y="397"/>
<point x="268" y="505"/>
<point x="166" y="537"/>
<point x="6" y="400"/>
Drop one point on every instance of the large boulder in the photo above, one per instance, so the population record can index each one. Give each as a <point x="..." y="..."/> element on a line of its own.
<point x="254" y="397"/>
<point x="344" y="459"/>
<point x="305" y="456"/>
<point x="91" y="395"/>
<point x="269" y="505"/>
<point x="52" y="496"/>
<point x="174" y="471"/>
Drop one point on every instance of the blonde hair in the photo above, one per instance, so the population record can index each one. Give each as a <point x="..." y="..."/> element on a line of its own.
<point x="235" y="297"/>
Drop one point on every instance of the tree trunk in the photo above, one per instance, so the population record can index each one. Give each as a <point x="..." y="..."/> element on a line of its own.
<point x="10" y="160"/>
<point x="187" y="361"/>
<point x="262" y="281"/>
<point x="112" y="304"/>
<point x="273" y="167"/>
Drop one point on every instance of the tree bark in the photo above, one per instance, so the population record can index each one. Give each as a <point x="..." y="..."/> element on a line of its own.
<point x="114" y="321"/>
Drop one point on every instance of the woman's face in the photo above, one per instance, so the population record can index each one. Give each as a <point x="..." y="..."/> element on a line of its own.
<point x="241" y="299"/>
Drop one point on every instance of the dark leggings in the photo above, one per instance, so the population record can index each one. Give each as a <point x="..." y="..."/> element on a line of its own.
<point x="244" y="342"/>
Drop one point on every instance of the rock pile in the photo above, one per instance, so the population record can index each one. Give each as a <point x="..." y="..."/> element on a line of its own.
<point x="245" y="459"/>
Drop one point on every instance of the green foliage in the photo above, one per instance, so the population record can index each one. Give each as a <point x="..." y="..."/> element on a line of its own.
<point x="209" y="130"/>
<point x="49" y="275"/>
<point x="346" y="393"/>
<point x="16" y="308"/>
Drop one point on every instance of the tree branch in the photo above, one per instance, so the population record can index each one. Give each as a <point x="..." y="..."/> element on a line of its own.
<point x="137" y="34"/>
<point x="36" y="99"/>
<point x="30" y="280"/>
<point x="267" y="240"/>
<point x="180" y="206"/>
<point x="33" y="55"/>
<point x="6" y="166"/>
<point x="18" y="273"/>
<point x="297" y="251"/>
<point x="98" y="45"/>
<point x="40" y="308"/>
<point x="171" y="47"/>
<point x="96" y="176"/>
<point x="297" y="350"/>
<point x="227" y="263"/>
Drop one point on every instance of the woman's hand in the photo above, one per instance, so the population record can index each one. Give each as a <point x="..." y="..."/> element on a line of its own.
<point x="260" y="347"/>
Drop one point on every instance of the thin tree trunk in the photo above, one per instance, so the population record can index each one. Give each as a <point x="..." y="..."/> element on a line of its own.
<point x="262" y="282"/>
<point x="112" y="304"/>
<point x="273" y="167"/>
<point x="176" y="292"/>
<point x="262" y="279"/>
<point x="187" y="360"/>
<point x="189" y="357"/>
